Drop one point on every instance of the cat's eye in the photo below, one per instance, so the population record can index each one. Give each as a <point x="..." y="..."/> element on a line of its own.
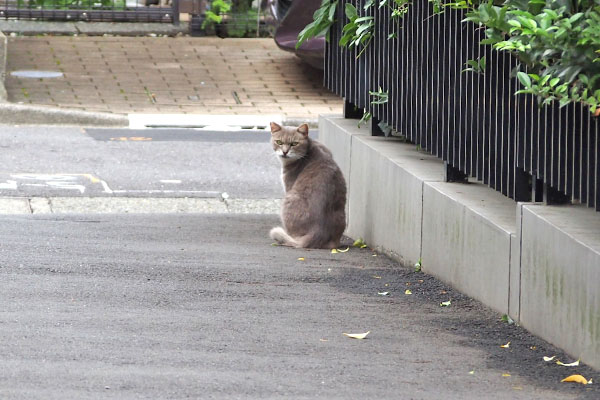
<point x="294" y="143"/>
<point x="279" y="142"/>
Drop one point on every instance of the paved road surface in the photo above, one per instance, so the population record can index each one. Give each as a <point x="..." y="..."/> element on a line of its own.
<point x="61" y="161"/>
<point x="202" y="306"/>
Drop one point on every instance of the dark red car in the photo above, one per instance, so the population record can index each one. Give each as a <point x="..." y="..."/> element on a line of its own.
<point x="293" y="16"/>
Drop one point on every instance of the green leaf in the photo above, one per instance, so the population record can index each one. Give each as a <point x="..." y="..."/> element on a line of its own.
<point x="350" y="11"/>
<point x="524" y="79"/>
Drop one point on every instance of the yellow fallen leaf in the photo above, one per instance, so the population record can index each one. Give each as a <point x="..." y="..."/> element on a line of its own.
<point x="374" y="255"/>
<point x="445" y="303"/>
<point x="472" y="372"/>
<point x="300" y="258"/>
<point x="576" y="378"/>
<point x="573" y="364"/>
<point x="517" y="388"/>
<point x="343" y="250"/>
<point x="505" y="375"/>
<point x="357" y="335"/>
<point x="376" y="277"/>
<point x="407" y="291"/>
<point x="359" y="243"/>
<point x="334" y="251"/>
<point x="505" y="346"/>
<point x="549" y="358"/>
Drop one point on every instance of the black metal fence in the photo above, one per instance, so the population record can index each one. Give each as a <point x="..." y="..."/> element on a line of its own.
<point x="472" y="121"/>
<point x="92" y="10"/>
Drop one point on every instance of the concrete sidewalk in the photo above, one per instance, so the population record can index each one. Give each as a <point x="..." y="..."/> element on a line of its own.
<point x="181" y="75"/>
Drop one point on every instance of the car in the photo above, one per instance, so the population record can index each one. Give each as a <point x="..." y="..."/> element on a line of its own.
<point x="291" y="17"/>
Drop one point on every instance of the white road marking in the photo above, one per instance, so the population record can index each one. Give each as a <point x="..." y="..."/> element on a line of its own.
<point x="174" y="181"/>
<point x="155" y="191"/>
<point x="8" y="185"/>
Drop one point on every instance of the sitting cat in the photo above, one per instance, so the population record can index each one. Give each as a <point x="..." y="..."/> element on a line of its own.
<point x="313" y="210"/>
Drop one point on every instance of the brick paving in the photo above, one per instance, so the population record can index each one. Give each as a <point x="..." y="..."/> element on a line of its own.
<point x="167" y="75"/>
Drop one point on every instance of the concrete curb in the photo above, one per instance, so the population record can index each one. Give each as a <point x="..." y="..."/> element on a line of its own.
<point x="3" y="50"/>
<point x="18" y="114"/>
<point x="135" y="205"/>
<point x="29" y="28"/>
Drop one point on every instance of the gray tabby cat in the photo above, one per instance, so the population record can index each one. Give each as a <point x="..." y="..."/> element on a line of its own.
<point x="313" y="210"/>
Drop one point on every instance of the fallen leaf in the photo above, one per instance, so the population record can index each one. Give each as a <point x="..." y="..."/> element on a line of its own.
<point x="343" y="250"/>
<point x="374" y="255"/>
<point x="445" y="303"/>
<point x="376" y="277"/>
<point x="573" y="364"/>
<point x="505" y="346"/>
<point x="576" y="378"/>
<point x="300" y="258"/>
<point x="359" y="243"/>
<point x="324" y="340"/>
<point x="386" y="285"/>
<point x="505" y="375"/>
<point x="533" y="347"/>
<point x="407" y="291"/>
<point x="420" y="281"/>
<point x="517" y="388"/>
<point x="407" y="283"/>
<point x="507" y="319"/>
<point x="357" y="335"/>
<point x="472" y="372"/>
<point x="334" y="251"/>
<point x="549" y="358"/>
<point x="383" y="293"/>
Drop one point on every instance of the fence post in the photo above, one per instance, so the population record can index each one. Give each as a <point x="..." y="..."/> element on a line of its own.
<point x="537" y="190"/>
<point x="375" y="129"/>
<point x="523" y="187"/>
<point x="351" y="110"/>
<point x="553" y="196"/>
<point x="453" y="174"/>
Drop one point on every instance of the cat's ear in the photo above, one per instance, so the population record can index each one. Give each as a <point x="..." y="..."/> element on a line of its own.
<point x="303" y="129"/>
<point x="275" y="127"/>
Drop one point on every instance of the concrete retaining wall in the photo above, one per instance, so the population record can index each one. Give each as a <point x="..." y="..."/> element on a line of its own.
<point x="539" y="264"/>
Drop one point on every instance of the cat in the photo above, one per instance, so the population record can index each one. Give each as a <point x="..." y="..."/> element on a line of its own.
<point x="313" y="210"/>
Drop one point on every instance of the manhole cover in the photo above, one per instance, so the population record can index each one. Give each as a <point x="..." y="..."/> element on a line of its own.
<point x="37" y="74"/>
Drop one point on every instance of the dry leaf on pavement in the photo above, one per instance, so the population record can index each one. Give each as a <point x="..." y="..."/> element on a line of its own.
<point x="357" y="335"/>
<point x="573" y="364"/>
<point x="576" y="378"/>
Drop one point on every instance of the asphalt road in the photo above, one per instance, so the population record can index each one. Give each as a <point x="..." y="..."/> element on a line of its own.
<point x="83" y="162"/>
<point x="203" y="306"/>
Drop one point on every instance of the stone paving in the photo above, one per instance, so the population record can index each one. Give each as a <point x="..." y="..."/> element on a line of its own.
<point x="167" y="75"/>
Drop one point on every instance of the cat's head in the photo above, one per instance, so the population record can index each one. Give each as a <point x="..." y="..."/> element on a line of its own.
<point x="289" y="143"/>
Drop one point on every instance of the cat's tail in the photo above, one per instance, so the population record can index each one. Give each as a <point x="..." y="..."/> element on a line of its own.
<point x="281" y="236"/>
